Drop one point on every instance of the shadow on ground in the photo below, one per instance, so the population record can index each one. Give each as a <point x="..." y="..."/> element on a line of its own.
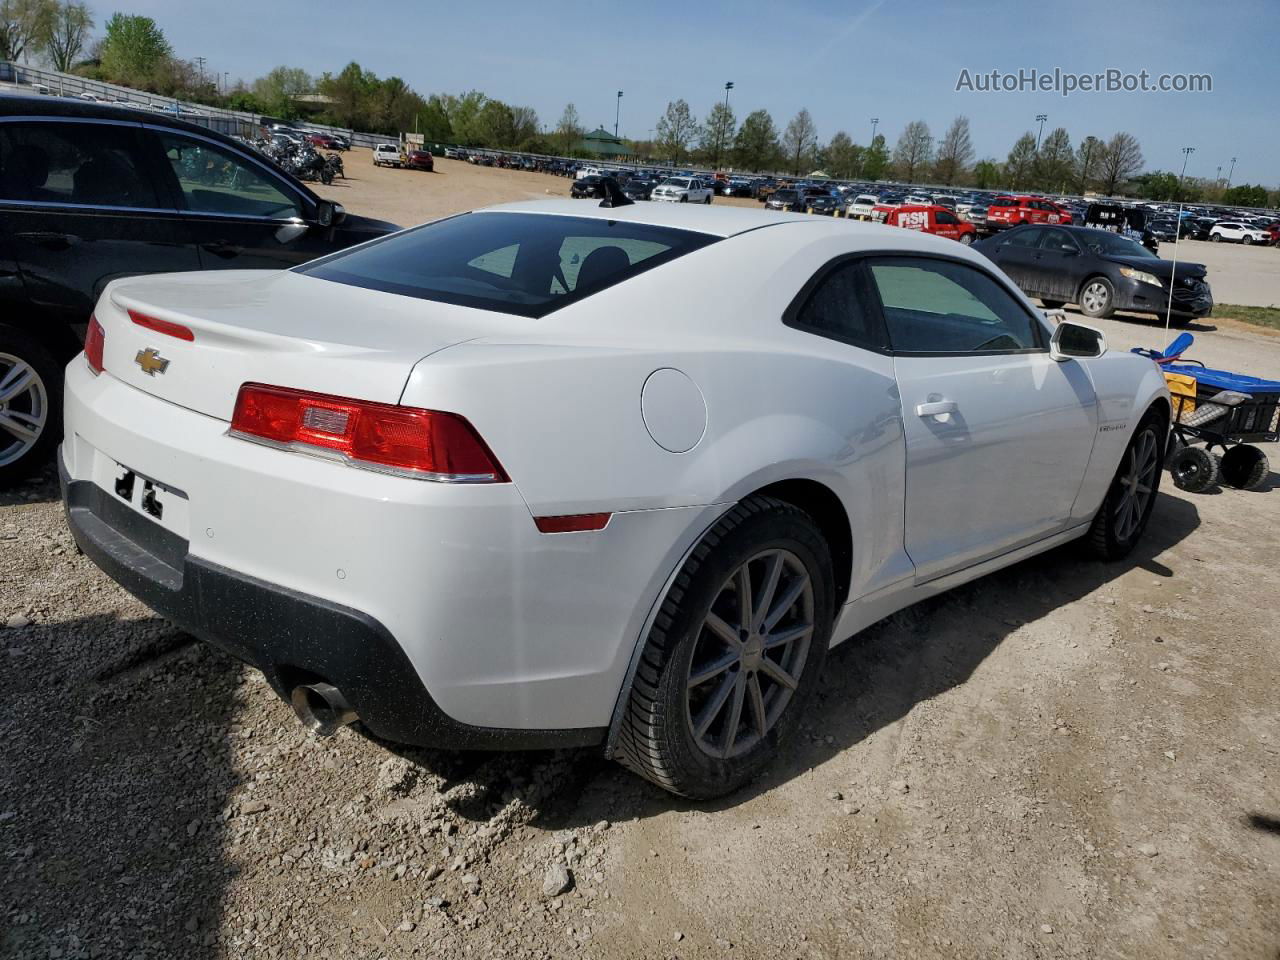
<point x="116" y="755"/>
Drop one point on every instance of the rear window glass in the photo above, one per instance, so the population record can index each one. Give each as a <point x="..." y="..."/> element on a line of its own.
<point x="1004" y="202"/>
<point x="527" y="264"/>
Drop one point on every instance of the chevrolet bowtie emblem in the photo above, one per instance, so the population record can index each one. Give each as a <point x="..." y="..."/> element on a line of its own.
<point x="151" y="362"/>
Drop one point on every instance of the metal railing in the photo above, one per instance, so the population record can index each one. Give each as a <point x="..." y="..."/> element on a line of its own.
<point x="23" y="78"/>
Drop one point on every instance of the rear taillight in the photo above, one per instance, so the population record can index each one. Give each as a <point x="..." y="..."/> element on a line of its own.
<point x="94" y="341"/>
<point x="424" y="444"/>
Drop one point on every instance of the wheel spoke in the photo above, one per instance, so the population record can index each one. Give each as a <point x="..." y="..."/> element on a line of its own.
<point x="730" y="733"/>
<point x="743" y="584"/>
<point x="770" y="586"/>
<point x="712" y="670"/>
<point x="16" y="381"/>
<point x="777" y="674"/>
<point x="756" y="699"/>
<point x="786" y="636"/>
<point x="785" y="603"/>
<point x="13" y="422"/>
<point x="716" y="624"/>
<point x="713" y="707"/>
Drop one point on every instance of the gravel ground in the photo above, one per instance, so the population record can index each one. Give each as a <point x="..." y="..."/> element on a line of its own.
<point x="1064" y="759"/>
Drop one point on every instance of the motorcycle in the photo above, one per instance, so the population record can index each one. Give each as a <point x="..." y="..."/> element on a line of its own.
<point x="334" y="163"/>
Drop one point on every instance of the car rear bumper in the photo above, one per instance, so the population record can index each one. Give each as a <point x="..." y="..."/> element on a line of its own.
<point x="290" y="636"/>
<point x="439" y="610"/>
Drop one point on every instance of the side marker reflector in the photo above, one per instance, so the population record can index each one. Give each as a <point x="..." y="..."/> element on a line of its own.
<point x="573" y="523"/>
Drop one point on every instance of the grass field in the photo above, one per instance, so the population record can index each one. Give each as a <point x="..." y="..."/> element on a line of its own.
<point x="1258" y="316"/>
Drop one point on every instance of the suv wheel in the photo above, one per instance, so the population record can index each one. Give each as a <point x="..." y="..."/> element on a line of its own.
<point x="735" y="651"/>
<point x="30" y="404"/>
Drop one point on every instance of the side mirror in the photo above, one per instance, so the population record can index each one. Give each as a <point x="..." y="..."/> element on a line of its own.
<point x="329" y="214"/>
<point x="1075" y="341"/>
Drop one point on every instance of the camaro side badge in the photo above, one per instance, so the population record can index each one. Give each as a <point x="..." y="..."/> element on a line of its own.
<point x="151" y="362"/>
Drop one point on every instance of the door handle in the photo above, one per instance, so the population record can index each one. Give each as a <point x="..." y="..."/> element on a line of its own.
<point x="936" y="408"/>
<point x="49" y="240"/>
<point x="221" y="248"/>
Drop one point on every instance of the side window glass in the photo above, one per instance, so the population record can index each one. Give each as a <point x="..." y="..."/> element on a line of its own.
<point x="840" y="306"/>
<point x="1026" y="237"/>
<point x="214" y="180"/>
<point x="1057" y="240"/>
<point x="74" y="163"/>
<point x="944" y="217"/>
<point x="938" y="306"/>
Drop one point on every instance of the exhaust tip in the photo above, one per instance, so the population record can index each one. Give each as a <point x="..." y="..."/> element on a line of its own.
<point x="322" y="708"/>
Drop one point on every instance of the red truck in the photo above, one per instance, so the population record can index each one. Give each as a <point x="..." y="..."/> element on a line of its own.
<point x="1010" y="211"/>
<point x="927" y="218"/>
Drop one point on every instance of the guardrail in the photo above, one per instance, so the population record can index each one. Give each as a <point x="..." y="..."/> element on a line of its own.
<point x="29" y="79"/>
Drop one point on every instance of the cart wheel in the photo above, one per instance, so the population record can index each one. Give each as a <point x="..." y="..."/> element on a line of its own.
<point x="1194" y="469"/>
<point x="1245" y="467"/>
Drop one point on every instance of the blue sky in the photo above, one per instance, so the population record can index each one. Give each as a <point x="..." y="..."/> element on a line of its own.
<point x="846" y="62"/>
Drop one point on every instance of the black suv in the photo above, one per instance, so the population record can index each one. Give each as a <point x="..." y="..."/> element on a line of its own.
<point x="91" y="192"/>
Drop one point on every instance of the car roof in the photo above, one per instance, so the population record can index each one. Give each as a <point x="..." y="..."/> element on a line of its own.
<point x="729" y="221"/>
<point x="26" y="106"/>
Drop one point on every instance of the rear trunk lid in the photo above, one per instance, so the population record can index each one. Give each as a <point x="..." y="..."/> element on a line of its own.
<point x="279" y="328"/>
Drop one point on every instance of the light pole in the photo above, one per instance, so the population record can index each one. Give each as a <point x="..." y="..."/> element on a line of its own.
<point x="723" y="120"/>
<point x="201" y="62"/>
<point x="1040" y="119"/>
<point x="617" y="112"/>
<point x="1231" y="173"/>
<point x="875" y="122"/>
<point x="1186" y="155"/>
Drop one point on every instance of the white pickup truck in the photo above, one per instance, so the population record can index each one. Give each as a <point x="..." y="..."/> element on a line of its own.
<point x="683" y="190"/>
<point x="386" y="154"/>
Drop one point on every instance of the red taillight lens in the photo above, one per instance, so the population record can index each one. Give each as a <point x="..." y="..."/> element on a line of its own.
<point x="166" y="327"/>
<point x="407" y="441"/>
<point x="94" y="341"/>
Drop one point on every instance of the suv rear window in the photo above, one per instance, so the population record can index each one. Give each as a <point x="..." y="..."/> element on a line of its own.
<point x="1004" y="202"/>
<point x="527" y="264"/>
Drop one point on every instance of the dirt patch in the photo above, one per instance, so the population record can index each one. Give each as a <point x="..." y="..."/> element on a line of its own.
<point x="1065" y="759"/>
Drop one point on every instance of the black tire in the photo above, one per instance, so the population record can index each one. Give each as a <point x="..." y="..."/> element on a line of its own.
<point x="684" y="198"/>
<point x="1246" y="240"/>
<point x="1111" y="536"/>
<point x="1103" y="303"/>
<point x="1053" y="304"/>
<point x="1215" y="238"/>
<point x="1194" y="469"/>
<point x="657" y="740"/>
<point x="1244" y="467"/>
<point x="43" y="400"/>
<point x="966" y="238"/>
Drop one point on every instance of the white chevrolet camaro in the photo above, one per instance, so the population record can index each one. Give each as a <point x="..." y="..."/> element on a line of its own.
<point x="532" y="476"/>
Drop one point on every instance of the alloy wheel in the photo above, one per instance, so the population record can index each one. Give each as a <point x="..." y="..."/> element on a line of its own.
<point x="24" y="408"/>
<point x="1137" y="480"/>
<point x="750" y="653"/>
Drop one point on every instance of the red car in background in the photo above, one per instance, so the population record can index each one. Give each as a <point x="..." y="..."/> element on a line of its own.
<point x="419" y="160"/>
<point x="1010" y="211"/>
<point x="927" y="218"/>
<point x="322" y="140"/>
